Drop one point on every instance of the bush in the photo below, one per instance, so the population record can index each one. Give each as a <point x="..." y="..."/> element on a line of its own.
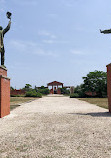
<point x="74" y="95"/>
<point x="64" y="90"/>
<point x="33" y="94"/>
<point x="44" y="91"/>
<point x="80" y="91"/>
<point x="39" y="95"/>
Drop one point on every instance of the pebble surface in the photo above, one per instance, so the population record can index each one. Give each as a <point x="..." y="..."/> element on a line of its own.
<point x="56" y="127"/>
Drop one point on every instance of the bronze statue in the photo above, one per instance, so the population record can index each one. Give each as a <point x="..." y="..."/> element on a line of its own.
<point x="106" y="31"/>
<point x="2" y="33"/>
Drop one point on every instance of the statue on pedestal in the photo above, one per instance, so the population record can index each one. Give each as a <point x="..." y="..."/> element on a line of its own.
<point x="2" y="33"/>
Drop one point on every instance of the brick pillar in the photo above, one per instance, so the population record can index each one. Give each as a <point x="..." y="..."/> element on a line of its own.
<point x="4" y="92"/>
<point x="109" y="85"/>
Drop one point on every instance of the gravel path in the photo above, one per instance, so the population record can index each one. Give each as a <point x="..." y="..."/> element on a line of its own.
<point x="56" y="127"/>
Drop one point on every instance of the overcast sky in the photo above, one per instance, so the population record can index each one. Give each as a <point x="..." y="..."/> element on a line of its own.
<point x="55" y="40"/>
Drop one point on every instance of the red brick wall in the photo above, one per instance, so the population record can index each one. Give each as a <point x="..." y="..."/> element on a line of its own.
<point x="51" y="91"/>
<point x="91" y="93"/>
<point x="4" y="97"/>
<point x="58" y="91"/>
<point x="109" y="86"/>
<point x="18" y="92"/>
<point x="4" y="93"/>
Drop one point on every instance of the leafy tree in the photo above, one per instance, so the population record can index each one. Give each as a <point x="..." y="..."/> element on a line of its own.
<point x="11" y="88"/>
<point x="80" y="91"/>
<point x="42" y="87"/>
<point x="96" y="82"/>
<point x="27" y="87"/>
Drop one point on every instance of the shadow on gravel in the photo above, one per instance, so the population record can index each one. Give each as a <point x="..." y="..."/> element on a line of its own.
<point x="94" y="114"/>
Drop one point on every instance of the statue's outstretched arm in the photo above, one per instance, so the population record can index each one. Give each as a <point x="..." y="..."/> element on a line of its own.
<point x="106" y="31"/>
<point x="7" y="28"/>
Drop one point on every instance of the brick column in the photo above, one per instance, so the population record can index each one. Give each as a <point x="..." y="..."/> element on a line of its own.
<point x="109" y="85"/>
<point x="4" y="92"/>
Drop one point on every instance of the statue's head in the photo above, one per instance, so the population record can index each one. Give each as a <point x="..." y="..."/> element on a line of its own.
<point x="1" y="28"/>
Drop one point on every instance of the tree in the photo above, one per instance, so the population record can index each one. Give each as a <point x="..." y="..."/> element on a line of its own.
<point x="80" y="91"/>
<point x="11" y="88"/>
<point x="27" y="87"/>
<point x="96" y="82"/>
<point x="64" y="90"/>
<point x="43" y="90"/>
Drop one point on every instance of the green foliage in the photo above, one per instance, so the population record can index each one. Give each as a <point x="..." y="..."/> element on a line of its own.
<point x="42" y="87"/>
<point x="44" y="91"/>
<point x="80" y="91"/>
<point x="27" y="87"/>
<point x="11" y="88"/>
<point x="74" y="95"/>
<point x="64" y="90"/>
<point x="33" y="93"/>
<point x="96" y="82"/>
<point x="39" y="95"/>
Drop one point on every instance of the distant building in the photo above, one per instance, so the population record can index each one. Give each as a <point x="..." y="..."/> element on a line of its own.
<point x="55" y="87"/>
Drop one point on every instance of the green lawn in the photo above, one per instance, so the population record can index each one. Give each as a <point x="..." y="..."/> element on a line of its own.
<point x="16" y="101"/>
<point x="102" y="102"/>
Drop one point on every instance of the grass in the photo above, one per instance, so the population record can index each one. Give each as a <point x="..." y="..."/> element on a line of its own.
<point x="102" y="102"/>
<point x="16" y="101"/>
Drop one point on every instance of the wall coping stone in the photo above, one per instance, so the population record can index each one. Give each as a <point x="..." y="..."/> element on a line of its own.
<point x="2" y="67"/>
<point x="108" y="65"/>
<point x="1" y="76"/>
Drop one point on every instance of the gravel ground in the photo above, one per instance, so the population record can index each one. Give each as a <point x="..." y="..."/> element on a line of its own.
<point x="56" y="127"/>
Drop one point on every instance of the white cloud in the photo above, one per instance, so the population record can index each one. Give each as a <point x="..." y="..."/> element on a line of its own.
<point x="26" y="2"/>
<point x="27" y="47"/>
<point x="55" y="41"/>
<point x="78" y="52"/>
<point x="48" y="41"/>
<point x="46" y="34"/>
<point x="49" y="38"/>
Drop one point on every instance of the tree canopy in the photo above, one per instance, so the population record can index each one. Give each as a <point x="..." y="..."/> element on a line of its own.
<point x="96" y="82"/>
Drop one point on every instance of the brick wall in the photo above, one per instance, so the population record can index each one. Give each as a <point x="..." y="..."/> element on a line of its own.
<point x="4" y="93"/>
<point x="109" y="86"/>
<point x="91" y="93"/>
<point x="18" y="92"/>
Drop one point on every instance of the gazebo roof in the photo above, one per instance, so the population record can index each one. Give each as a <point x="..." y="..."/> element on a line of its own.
<point x="54" y="83"/>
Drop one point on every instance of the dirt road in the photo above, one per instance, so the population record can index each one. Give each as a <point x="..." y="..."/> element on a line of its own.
<point x="56" y="127"/>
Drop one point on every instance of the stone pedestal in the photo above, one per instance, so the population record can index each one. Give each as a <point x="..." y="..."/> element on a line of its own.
<point x="4" y="92"/>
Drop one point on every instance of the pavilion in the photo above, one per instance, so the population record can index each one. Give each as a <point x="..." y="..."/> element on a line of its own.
<point x="55" y="87"/>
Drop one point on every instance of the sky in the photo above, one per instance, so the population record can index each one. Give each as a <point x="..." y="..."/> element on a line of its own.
<point x="55" y="40"/>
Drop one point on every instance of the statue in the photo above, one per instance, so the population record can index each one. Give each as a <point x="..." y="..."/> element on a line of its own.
<point x="2" y="33"/>
<point x="106" y="31"/>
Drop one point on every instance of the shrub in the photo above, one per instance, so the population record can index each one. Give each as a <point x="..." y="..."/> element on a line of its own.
<point x="74" y="95"/>
<point x="39" y="95"/>
<point x="33" y="93"/>
<point x="44" y="91"/>
<point x="80" y="91"/>
<point x="64" y="90"/>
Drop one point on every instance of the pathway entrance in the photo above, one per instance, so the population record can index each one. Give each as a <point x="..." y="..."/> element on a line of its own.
<point x="56" y="127"/>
